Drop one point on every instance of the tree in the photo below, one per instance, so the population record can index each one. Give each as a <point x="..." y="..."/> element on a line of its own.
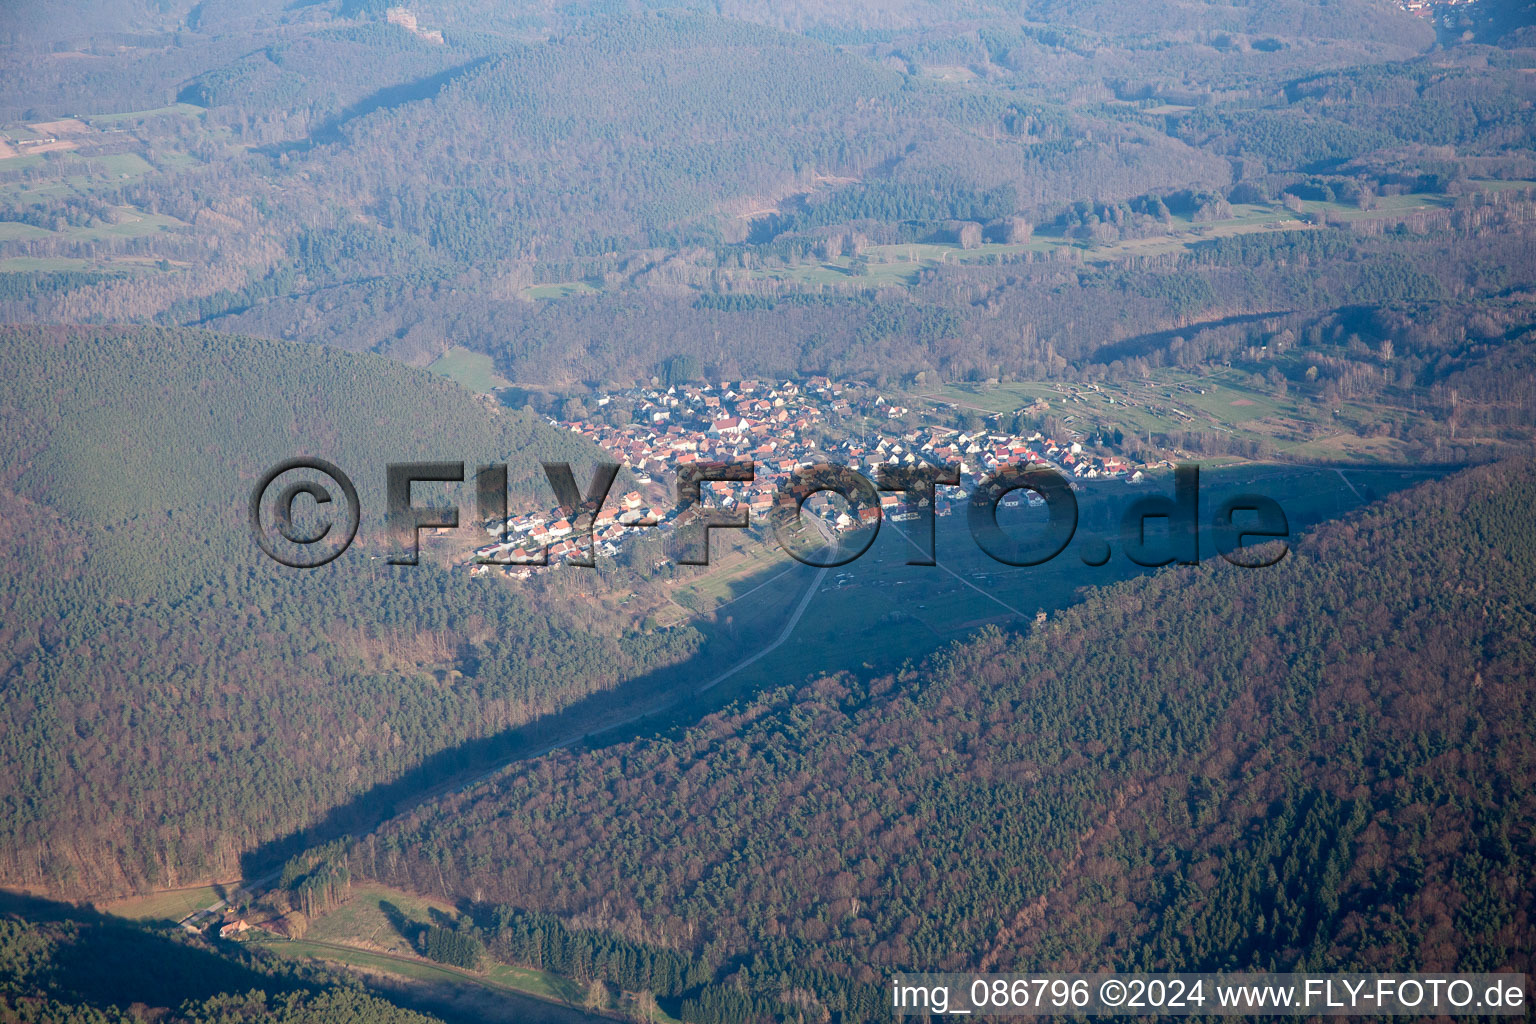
<point x="454" y="947"/>
<point x="965" y="233"/>
<point x="1017" y="229"/>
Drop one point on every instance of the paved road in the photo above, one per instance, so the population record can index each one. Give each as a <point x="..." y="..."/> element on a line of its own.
<point x="789" y="627"/>
<point x="198" y="918"/>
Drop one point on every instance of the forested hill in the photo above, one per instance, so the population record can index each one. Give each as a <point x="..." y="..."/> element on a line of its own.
<point x="1320" y="765"/>
<point x="175" y="699"/>
<point x="117" y="426"/>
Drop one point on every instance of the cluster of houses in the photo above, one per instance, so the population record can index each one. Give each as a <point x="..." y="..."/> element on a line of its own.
<point x="1429" y="8"/>
<point x="778" y="427"/>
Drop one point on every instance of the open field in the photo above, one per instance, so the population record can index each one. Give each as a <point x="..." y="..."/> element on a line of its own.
<point x="1172" y="400"/>
<point x="124" y="165"/>
<point x="74" y="163"/>
<point x="736" y="559"/>
<point x="558" y="290"/>
<point x="75" y="176"/>
<point x="173" y="110"/>
<point x="879" y="611"/>
<point x="376" y="919"/>
<point x="415" y="970"/>
<point x="15" y="231"/>
<point x="370" y="929"/>
<point x="494" y="993"/>
<point x="898" y="264"/>
<point x="168" y="904"/>
<point x="742" y="599"/>
<point x="131" y="223"/>
<point x="881" y="265"/>
<point x="23" y="264"/>
<point x="475" y="370"/>
<point x="372" y="918"/>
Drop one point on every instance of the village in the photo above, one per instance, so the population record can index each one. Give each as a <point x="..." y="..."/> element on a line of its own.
<point x="778" y="427"/>
<point x="1430" y="8"/>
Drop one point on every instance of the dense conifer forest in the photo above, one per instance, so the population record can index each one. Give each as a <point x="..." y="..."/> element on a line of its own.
<point x="1317" y="767"/>
<point x="1292" y="240"/>
<point x="173" y="698"/>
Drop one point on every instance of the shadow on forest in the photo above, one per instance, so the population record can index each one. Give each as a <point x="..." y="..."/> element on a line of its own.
<point x="110" y="963"/>
<point x="661" y="698"/>
<point x="667" y="698"/>
<point x="104" y="963"/>
<point x="1144" y="344"/>
<point x="386" y="98"/>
